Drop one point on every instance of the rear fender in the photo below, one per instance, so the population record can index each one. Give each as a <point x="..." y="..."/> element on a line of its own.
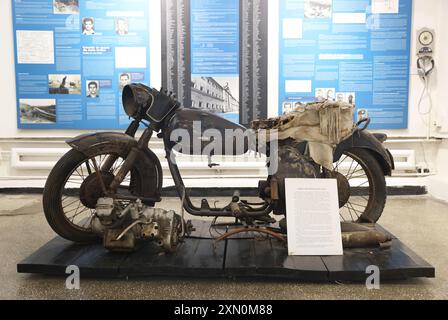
<point x="366" y="140"/>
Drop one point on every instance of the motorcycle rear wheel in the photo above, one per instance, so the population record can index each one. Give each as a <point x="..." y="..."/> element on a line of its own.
<point x="368" y="191"/>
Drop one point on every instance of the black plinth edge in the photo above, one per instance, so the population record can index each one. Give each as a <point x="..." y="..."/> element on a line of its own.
<point x="246" y="257"/>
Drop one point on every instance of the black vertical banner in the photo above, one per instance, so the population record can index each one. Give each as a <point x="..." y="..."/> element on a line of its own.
<point x="253" y="56"/>
<point x="176" y="49"/>
<point x="253" y="60"/>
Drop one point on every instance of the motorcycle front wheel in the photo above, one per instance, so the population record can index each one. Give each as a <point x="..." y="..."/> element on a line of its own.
<point x="73" y="189"/>
<point x="362" y="186"/>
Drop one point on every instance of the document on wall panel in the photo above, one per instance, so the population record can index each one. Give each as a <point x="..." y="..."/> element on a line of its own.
<point x="312" y="213"/>
<point x="176" y="51"/>
<point x="353" y="51"/>
<point x="253" y="60"/>
<point x="73" y="58"/>
<point x="385" y="6"/>
<point x="35" y="47"/>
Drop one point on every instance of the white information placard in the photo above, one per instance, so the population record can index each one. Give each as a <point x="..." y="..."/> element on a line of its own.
<point x="312" y="213"/>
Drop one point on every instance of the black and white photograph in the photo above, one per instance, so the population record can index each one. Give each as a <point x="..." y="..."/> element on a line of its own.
<point x="322" y="94"/>
<point x="64" y="83"/>
<point x="123" y="80"/>
<point x="350" y="98"/>
<point x="37" y="111"/>
<point x="65" y="6"/>
<point x="217" y="95"/>
<point x="92" y="89"/>
<point x="121" y="26"/>
<point x="318" y="9"/>
<point x="88" y="26"/>
<point x="347" y="97"/>
<point x="287" y="107"/>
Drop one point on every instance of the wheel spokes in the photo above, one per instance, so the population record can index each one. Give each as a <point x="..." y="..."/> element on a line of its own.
<point x="74" y="210"/>
<point x="354" y="171"/>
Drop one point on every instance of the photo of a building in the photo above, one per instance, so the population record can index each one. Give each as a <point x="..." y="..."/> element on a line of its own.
<point x="214" y="95"/>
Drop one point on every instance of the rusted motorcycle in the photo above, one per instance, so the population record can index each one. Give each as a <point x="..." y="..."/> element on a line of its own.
<point x="106" y="187"/>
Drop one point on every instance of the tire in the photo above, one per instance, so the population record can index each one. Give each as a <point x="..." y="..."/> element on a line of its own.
<point x="53" y="210"/>
<point x="377" y="185"/>
<point x="53" y="197"/>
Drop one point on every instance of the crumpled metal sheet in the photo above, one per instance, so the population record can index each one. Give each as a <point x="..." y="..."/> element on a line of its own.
<point x="322" y="124"/>
<point x="355" y="235"/>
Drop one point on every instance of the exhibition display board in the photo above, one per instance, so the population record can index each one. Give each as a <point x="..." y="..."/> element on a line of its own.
<point x="73" y="57"/>
<point x="357" y="51"/>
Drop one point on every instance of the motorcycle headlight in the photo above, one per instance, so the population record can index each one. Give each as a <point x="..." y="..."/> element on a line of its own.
<point x="136" y="99"/>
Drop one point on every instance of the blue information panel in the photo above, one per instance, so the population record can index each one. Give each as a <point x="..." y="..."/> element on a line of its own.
<point x="73" y="57"/>
<point x="357" y="51"/>
<point x="215" y="54"/>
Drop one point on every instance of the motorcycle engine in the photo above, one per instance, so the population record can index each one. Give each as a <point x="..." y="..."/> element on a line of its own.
<point x="121" y="228"/>
<point x="291" y="163"/>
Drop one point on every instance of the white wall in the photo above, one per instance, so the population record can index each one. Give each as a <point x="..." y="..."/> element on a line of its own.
<point x="438" y="185"/>
<point x="442" y="69"/>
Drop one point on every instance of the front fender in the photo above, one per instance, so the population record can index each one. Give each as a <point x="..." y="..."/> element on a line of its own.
<point x="366" y="140"/>
<point x="92" y="143"/>
<point x="147" y="163"/>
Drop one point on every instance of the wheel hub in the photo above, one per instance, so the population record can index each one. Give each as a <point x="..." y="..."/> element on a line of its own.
<point x="343" y="188"/>
<point x="91" y="189"/>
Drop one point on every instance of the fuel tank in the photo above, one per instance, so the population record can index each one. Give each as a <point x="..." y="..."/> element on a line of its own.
<point x="198" y="132"/>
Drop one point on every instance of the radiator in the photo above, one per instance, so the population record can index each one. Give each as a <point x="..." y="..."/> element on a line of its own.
<point x="46" y="158"/>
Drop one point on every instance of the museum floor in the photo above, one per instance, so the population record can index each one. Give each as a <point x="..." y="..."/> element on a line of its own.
<point x="420" y="222"/>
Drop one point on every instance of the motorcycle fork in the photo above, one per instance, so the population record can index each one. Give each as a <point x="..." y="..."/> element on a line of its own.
<point x="131" y="131"/>
<point x="128" y="162"/>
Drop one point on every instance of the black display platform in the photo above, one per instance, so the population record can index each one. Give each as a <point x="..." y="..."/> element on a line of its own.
<point x="246" y="256"/>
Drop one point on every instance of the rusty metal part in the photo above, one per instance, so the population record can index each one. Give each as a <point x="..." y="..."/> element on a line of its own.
<point x="355" y="235"/>
<point x="291" y="164"/>
<point x="274" y="189"/>
<point x="127" y="242"/>
<point x="109" y="162"/>
<point x="99" y="175"/>
<point x="150" y="231"/>
<point x="130" y="160"/>
<point x="169" y="227"/>
<point x="236" y="209"/>
<point x="147" y="223"/>
<point x="343" y="188"/>
<point x="105" y="207"/>
<point x="91" y="189"/>
<point x="365" y="239"/>
<point x="129" y="228"/>
<point x="251" y="229"/>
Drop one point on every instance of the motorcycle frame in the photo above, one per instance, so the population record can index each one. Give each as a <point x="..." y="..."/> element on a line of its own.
<point x="233" y="209"/>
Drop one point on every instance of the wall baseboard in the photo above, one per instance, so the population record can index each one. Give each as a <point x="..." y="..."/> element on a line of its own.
<point x="226" y="192"/>
<point x="438" y="188"/>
